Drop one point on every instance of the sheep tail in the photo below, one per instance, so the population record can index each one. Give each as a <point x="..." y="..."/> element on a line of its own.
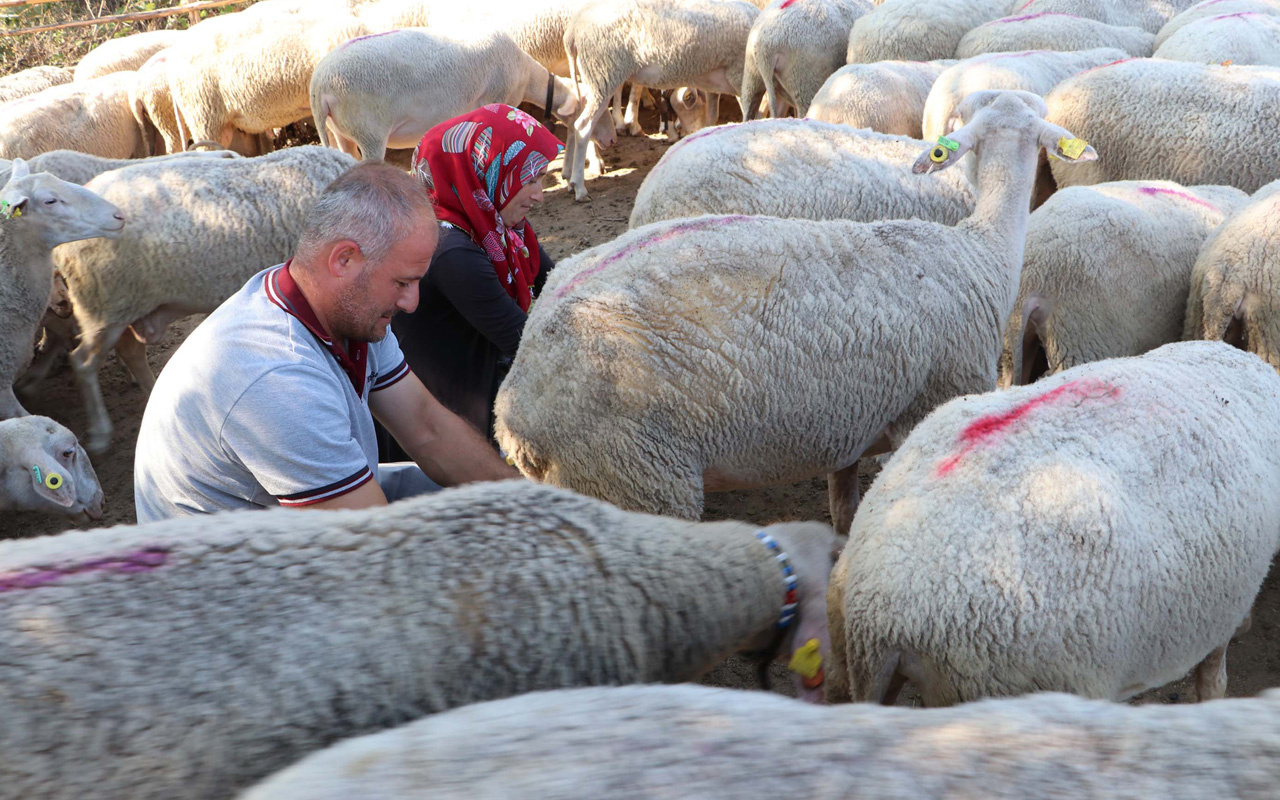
<point x="904" y="666"/>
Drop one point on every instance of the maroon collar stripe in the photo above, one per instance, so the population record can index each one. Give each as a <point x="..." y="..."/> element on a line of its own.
<point x="284" y="291"/>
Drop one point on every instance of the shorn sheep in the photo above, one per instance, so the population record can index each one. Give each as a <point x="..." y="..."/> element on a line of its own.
<point x="675" y="353"/>
<point x="1106" y="273"/>
<point x="1235" y="284"/>
<point x="887" y="96"/>
<point x="798" y="168"/>
<point x="1065" y="32"/>
<point x="91" y="116"/>
<point x="1244" y="38"/>
<point x="199" y="228"/>
<point x="695" y="741"/>
<point x="125" y="54"/>
<point x="43" y="468"/>
<point x="1214" y="8"/>
<point x="1075" y="535"/>
<point x="183" y="659"/>
<point x="793" y="46"/>
<point x="1150" y="15"/>
<point x="30" y="81"/>
<point x="917" y="30"/>
<point x="73" y="166"/>
<point x="1141" y="135"/>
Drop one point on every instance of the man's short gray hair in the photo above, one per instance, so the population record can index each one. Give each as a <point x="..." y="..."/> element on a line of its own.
<point x="375" y="205"/>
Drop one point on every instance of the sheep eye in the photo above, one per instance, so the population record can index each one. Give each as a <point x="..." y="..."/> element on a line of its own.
<point x="51" y="201"/>
<point x="69" y="453"/>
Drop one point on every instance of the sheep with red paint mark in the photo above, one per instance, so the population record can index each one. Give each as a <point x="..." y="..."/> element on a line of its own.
<point x="1053" y="31"/>
<point x="1240" y="38"/>
<point x="1150" y="15"/>
<point x="887" y="96"/>
<point x="918" y="30"/>
<point x="720" y="353"/>
<point x="1106" y="273"/>
<point x="1101" y="532"/>
<point x="1213" y="8"/>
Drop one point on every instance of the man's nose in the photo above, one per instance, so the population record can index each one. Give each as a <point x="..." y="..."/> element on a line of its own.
<point x="409" y="299"/>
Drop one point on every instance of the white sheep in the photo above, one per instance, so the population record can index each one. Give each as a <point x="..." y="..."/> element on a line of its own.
<point x="1060" y="536"/>
<point x="1142" y="136"/>
<point x="700" y="742"/>
<point x="91" y="116"/>
<point x="125" y="54"/>
<point x="1214" y="8"/>
<point x="798" y="168"/>
<point x="29" y="81"/>
<point x="1150" y="15"/>
<point x="1106" y="273"/>
<point x="662" y="44"/>
<point x="38" y="212"/>
<point x="388" y="89"/>
<point x="1053" y="31"/>
<point x="1242" y="38"/>
<point x="213" y="655"/>
<point x="677" y="353"/>
<point x="76" y="167"/>
<point x="917" y="30"/>
<point x="887" y="96"/>
<point x="43" y="468"/>
<point x="199" y="228"/>
<point x="792" y="48"/>
<point x="1235" y="285"/>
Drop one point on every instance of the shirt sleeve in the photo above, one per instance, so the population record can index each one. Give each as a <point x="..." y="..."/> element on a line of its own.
<point x="465" y="276"/>
<point x="389" y="364"/>
<point x="292" y="430"/>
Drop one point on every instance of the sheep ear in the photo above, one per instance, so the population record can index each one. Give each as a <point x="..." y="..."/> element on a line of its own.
<point x="945" y="152"/>
<point x="49" y="481"/>
<point x="569" y="108"/>
<point x="1064" y="146"/>
<point x="20" y="169"/>
<point x="13" y="204"/>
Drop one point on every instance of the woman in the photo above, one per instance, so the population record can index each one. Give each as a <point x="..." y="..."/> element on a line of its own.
<point x="484" y="172"/>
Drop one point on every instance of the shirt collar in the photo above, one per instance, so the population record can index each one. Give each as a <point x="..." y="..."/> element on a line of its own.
<point x="283" y="290"/>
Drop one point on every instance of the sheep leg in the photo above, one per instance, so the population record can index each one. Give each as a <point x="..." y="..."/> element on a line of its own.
<point x="85" y="360"/>
<point x="133" y="353"/>
<point x="595" y="165"/>
<point x="632" y="118"/>
<point x="1211" y="676"/>
<point x="593" y="111"/>
<point x="9" y="405"/>
<point x="842" y="495"/>
<point x="615" y="107"/>
<point x="837" y="671"/>
<point x="1245" y="625"/>
<point x="713" y="108"/>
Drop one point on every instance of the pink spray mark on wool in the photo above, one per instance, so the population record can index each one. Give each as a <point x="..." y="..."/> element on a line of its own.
<point x="1111" y="64"/>
<point x="349" y="42"/>
<point x="634" y="247"/>
<point x="786" y="4"/>
<point x="1032" y="16"/>
<point x="1240" y="14"/>
<point x="140" y="561"/>
<point x="992" y="427"/>
<point x="1151" y="191"/>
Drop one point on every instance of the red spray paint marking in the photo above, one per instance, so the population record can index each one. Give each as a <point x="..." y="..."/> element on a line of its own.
<point x="141" y="561"/>
<point x="1024" y="6"/>
<point x="1112" y="64"/>
<point x="1032" y="16"/>
<point x="1154" y="190"/>
<point x="667" y="235"/>
<point x="787" y="3"/>
<point x="984" y="429"/>
<point x="362" y="38"/>
<point x="1240" y="14"/>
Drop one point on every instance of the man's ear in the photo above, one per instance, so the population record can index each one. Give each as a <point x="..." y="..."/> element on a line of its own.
<point x="345" y="258"/>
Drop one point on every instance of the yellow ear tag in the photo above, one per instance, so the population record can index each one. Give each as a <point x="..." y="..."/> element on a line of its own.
<point x="807" y="661"/>
<point x="53" y="480"/>
<point x="1072" y="148"/>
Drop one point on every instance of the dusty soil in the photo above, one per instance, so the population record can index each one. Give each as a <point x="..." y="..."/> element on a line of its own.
<point x="565" y="228"/>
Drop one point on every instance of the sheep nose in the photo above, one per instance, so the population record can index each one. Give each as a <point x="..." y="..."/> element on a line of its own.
<point x="119" y="215"/>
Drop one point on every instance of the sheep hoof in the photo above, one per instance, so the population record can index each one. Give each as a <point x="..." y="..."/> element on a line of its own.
<point x="634" y="129"/>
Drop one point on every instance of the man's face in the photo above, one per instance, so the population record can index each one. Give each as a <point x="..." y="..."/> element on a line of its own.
<point x="378" y="291"/>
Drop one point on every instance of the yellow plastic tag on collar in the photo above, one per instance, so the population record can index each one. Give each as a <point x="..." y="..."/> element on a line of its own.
<point x="1072" y="148"/>
<point x="807" y="661"/>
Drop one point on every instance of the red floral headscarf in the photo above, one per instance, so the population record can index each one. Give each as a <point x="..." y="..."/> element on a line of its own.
<point x="474" y="164"/>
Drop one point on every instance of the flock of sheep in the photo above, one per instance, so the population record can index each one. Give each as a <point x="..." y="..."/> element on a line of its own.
<point x="1031" y="248"/>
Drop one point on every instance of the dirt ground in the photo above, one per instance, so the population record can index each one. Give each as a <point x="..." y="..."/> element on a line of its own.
<point x="564" y="228"/>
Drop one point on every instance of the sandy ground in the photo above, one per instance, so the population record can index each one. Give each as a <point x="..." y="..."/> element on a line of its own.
<point x="566" y="228"/>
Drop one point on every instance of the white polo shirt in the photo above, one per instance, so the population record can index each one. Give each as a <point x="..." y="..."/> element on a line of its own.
<point x="258" y="408"/>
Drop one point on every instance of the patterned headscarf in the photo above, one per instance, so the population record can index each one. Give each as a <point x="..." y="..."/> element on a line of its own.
<point x="474" y="164"/>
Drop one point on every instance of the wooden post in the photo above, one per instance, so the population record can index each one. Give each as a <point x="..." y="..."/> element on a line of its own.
<point x="193" y="8"/>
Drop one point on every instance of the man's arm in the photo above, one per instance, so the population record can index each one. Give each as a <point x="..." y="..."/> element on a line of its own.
<point x="367" y="496"/>
<point x="448" y="449"/>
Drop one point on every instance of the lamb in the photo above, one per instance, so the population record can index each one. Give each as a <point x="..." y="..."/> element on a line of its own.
<point x="388" y="89"/>
<point x="798" y="168"/>
<point x="1243" y="38"/>
<point x="1150" y="15"/>
<point x="275" y="633"/>
<point x="90" y="116"/>
<point x="676" y="351"/>
<point x="37" y="213"/>
<point x="1093" y="560"/>
<point x="887" y="96"/>
<point x="695" y="741"/>
<point x="1051" y="31"/>
<point x="1233" y="296"/>
<point x="792" y="48"/>
<point x="200" y="228"/>
<point x="917" y="30"/>
<point x="29" y="81"/>
<point x="43" y="468"/>
<point x="662" y="44"/>
<point x="1214" y="8"/>
<point x="125" y="54"/>
<point x="1106" y="273"/>
<point x="76" y="167"/>
<point x="1228" y="154"/>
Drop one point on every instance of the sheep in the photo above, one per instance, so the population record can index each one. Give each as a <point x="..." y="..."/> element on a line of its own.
<point x="125" y="54"/>
<point x="388" y="89"/>
<point x="675" y="352"/>
<point x="1106" y="273"/>
<point x="792" y="48"/>
<point x="917" y="30"/>
<point x="43" y="468"/>
<point x="798" y="168"/>
<point x="90" y="116"/>
<point x="662" y="44"/>
<point x="38" y="212"/>
<point x="1243" y="38"/>
<point x="696" y="741"/>
<point x="1051" y="31"/>
<point x="211" y="655"/>
<point x="887" y="96"/>
<point x="1150" y="15"/>
<point x="76" y="167"/>
<point x="1091" y="558"/>
<point x="1233" y="294"/>
<point x="199" y="229"/>
<point x="1135" y="133"/>
<point x="1214" y="8"/>
<point x="29" y="81"/>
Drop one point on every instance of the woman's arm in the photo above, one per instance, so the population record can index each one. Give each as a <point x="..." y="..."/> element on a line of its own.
<point x="467" y="278"/>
